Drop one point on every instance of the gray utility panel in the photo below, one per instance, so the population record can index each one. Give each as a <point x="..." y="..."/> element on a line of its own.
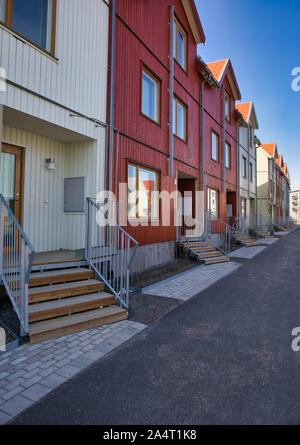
<point x="74" y="195"/>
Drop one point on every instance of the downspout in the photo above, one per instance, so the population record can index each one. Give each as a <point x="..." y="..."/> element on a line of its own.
<point x="202" y="136"/>
<point x="112" y="93"/>
<point x="256" y="192"/>
<point x="249" y="143"/>
<point x="238" y="171"/>
<point x="171" y="93"/>
<point x="223" y="140"/>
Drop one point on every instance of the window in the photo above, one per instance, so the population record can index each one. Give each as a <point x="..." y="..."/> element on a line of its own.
<point x="227" y="155"/>
<point x="213" y="201"/>
<point x="251" y="172"/>
<point x="215" y="146"/>
<point x="244" y="167"/>
<point x="179" y="119"/>
<point x="180" y="44"/>
<point x="143" y="203"/>
<point x="227" y="106"/>
<point x="33" y="19"/>
<point x="243" y="207"/>
<point x="150" y="95"/>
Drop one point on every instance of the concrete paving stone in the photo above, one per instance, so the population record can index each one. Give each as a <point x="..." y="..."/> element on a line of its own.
<point x="94" y="355"/>
<point x="14" y="376"/>
<point x="10" y="394"/>
<point x="32" y="373"/>
<point x="15" y="383"/>
<point x="61" y="364"/>
<point x="32" y="364"/>
<point x="5" y="367"/>
<point x="4" y="418"/>
<point x="49" y="371"/>
<point x="3" y="375"/>
<point x="4" y="383"/>
<point x="54" y="380"/>
<point x="19" y="360"/>
<point x="32" y="381"/>
<point x="75" y="355"/>
<point x="36" y="392"/>
<point x="68" y="371"/>
<point x="82" y="362"/>
<point x="88" y="348"/>
<point x="104" y="347"/>
<point x="47" y="364"/>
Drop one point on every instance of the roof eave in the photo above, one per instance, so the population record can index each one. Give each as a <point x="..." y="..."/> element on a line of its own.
<point x="194" y="20"/>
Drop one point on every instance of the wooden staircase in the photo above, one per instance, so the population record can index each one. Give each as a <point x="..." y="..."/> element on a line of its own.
<point x="205" y="252"/>
<point x="280" y="228"/>
<point x="67" y="299"/>
<point x="246" y="240"/>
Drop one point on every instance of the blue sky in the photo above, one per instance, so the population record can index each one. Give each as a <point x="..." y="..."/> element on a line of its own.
<point x="262" y="39"/>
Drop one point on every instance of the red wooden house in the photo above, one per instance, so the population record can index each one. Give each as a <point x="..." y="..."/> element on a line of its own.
<point x="157" y="111"/>
<point x="220" y="135"/>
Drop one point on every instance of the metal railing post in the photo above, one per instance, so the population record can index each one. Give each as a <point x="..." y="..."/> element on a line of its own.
<point x="1" y="236"/>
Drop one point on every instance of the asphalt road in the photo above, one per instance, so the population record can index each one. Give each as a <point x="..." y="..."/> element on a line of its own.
<point x="224" y="357"/>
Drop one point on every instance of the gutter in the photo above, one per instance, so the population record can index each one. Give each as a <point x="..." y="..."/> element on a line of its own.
<point x="171" y="94"/>
<point x="238" y="171"/>
<point x="112" y="92"/>
<point x="223" y="140"/>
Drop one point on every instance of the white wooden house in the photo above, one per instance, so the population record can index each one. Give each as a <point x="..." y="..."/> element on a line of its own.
<point x="55" y="57"/>
<point x="247" y="163"/>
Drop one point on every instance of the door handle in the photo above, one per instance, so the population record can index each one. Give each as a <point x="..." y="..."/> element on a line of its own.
<point x="17" y="197"/>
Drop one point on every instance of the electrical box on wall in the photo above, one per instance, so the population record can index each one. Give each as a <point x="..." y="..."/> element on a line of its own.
<point x="74" y="195"/>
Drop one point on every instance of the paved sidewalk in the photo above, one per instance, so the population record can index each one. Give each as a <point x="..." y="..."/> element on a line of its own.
<point x="268" y="241"/>
<point x="247" y="253"/>
<point x="30" y="372"/>
<point x="190" y="284"/>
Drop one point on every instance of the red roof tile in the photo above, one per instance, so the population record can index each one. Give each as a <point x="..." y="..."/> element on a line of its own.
<point x="279" y="161"/>
<point x="217" y="68"/>
<point x="244" y="109"/>
<point x="269" y="148"/>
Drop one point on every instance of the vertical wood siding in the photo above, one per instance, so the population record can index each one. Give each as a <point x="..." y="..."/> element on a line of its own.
<point x="150" y="22"/>
<point x="46" y="224"/>
<point x="77" y="80"/>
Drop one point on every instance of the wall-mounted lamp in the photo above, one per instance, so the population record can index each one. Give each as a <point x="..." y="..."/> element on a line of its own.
<point x="50" y="164"/>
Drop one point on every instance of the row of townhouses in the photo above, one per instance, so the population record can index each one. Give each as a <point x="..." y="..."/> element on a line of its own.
<point x="99" y="94"/>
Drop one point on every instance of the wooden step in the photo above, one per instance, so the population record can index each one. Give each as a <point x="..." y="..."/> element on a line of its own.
<point x="60" y="276"/>
<point x="222" y="259"/>
<point x="57" y="327"/>
<point x="214" y="254"/>
<point x="197" y="244"/>
<point x="40" y="294"/>
<point x="68" y="306"/>
<point x="206" y="249"/>
<point x="59" y="261"/>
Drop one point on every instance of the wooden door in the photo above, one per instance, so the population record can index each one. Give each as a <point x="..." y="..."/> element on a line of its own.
<point x="11" y="178"/>
<point x="11" y="189"/>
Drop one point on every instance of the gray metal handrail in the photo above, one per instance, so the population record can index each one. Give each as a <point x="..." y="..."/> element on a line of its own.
<point x="209" y="229"/>
<point x="220" y="233"/>
<point x="109" y="250"/>
<point x="16" y="258"/>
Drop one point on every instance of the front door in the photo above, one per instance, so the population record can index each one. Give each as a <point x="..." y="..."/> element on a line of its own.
<point x="11" y="189"/>
<point x="11" y="178"/>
